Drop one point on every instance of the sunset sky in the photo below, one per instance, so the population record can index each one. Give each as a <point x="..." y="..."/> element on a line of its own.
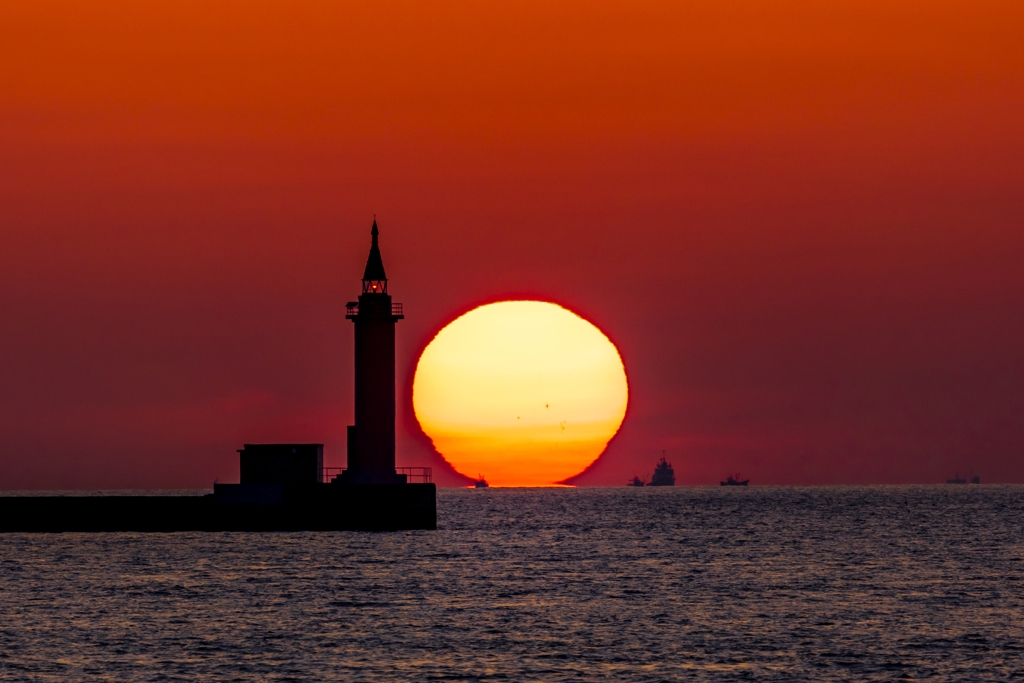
<point x="801" y="223"/>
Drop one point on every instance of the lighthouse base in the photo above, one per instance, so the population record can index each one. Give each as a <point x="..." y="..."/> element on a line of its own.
<point x="352" y="477"/>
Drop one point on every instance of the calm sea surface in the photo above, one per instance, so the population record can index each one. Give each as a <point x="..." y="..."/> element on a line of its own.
<point x="623" y="584"/>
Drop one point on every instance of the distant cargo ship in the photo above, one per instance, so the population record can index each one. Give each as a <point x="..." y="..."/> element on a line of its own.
<point x="663" y="475"/>
<point x="957" y="479"/>
<point x="734" y="480"/>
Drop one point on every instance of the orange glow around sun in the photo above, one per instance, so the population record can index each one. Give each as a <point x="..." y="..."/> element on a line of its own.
<point x="525" y="393"/>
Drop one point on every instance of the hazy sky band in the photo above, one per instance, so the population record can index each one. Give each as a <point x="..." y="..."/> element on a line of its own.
<point x="799" y="222"/>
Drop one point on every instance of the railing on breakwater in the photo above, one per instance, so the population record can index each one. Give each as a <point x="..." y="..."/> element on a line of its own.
<point x="413" y="475"/>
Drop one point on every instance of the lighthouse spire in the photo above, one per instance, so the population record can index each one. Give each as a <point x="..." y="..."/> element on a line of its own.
<point x="375" y="280"/>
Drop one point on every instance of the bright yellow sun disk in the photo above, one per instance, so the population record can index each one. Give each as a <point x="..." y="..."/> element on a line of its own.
<point x="525" y="393"/>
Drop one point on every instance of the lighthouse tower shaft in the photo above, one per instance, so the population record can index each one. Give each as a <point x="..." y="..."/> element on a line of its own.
<point x="371" y="441"/>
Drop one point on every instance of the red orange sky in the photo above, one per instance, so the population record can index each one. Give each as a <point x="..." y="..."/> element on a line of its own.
<point x="801" y="222"/>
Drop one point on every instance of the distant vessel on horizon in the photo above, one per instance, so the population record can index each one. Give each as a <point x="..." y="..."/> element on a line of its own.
<point x="734" y="480"/>
<point x="663" y="475"/>
<point x="480" y="483"/>
<point x="957" y="479"/>
<point x="637" y="481"/>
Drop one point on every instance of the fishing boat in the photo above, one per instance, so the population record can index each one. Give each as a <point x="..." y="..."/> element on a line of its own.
<point x="734" y="480"/>
<point x="637" y="481"/>
<point x="480" y="483"/>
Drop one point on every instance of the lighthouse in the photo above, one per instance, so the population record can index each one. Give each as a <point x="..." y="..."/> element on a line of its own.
<point x="282" y="486"/>
<point x="371" y="440"/>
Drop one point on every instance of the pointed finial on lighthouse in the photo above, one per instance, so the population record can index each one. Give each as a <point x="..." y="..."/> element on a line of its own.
<point x="375" y="281"/>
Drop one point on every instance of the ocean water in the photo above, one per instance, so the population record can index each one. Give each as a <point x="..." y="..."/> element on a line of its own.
<point x="786" y="584"/>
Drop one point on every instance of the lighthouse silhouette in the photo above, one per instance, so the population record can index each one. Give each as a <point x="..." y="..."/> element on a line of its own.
<point x="281" y="485"/>
<point x="371" y="440"/>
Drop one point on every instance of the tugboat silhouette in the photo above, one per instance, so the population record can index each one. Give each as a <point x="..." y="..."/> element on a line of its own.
<point x="734" y="480"/>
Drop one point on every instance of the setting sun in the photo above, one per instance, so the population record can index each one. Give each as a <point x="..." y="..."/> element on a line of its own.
<point x="525" y="393"/>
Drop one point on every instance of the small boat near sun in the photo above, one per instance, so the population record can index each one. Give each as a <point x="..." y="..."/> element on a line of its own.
<point x="734" y="480"/>
<point x="480" y="483"/>
<point x="637" y="481"/>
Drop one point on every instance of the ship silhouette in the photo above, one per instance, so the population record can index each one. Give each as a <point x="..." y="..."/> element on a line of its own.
<point x="734" y="480"/>
<point x="663" y="475"/>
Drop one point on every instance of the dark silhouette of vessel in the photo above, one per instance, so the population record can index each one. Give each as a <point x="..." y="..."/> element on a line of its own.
<point x="663" y="475"/>
<point x="957" y="479"/>
<point x="481" y="483"/>
<point x="637" y="481"/>
<point x="283" y="487"/>
<point x="734" y="480"/>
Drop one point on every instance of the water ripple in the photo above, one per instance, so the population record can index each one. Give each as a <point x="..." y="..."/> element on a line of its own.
<point x="776" y="584"/>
